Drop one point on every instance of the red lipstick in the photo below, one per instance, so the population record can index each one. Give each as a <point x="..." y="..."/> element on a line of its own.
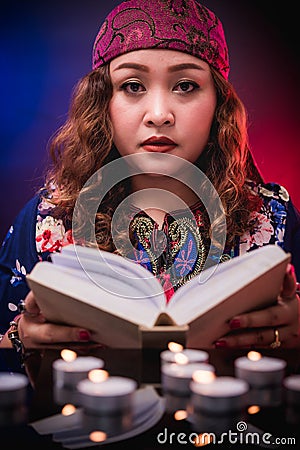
<point x="160" y="144"/>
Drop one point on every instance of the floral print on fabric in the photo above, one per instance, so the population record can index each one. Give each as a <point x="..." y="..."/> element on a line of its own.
<point x="269" y="223"/>
<point x="260" y="234"/>
<point x="51" y="234"/>
<point x="185" y="262"/>
<point x="19" y="274"/>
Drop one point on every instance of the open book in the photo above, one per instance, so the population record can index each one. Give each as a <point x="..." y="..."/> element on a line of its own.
<point x="124" y="305"/>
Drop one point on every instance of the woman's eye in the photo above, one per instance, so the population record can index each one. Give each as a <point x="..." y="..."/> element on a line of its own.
<point x="132" y="87"/>
<point x="186" y="86"/>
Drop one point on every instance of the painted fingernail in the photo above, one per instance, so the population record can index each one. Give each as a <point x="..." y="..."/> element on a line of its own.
<point x="84" y="335"/>
<point x="221" y="344"/>
<point x="235" y="323"/>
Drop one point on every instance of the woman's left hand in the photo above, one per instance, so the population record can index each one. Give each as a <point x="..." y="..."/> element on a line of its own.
<point x="259" y="328"/>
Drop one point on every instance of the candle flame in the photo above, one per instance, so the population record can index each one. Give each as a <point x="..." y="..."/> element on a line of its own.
<point x="253" y="409"/>
<point x="180" y="358"/>
<point x="68" y="409"/>
<point x="203" y="376"/>
<point x="97" y="375"/>
<point x="97" y="436"/>
<point x="175" y="347"/>
<point x="254" y="356"/>
<point x="68" y="355"/>
<point x="180" y="414"/>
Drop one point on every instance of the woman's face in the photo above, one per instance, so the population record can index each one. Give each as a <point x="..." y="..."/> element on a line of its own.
<point x="163" y="102"/>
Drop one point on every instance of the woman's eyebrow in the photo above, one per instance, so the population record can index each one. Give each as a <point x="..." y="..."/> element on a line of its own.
<point x="184" y="66"/>
<point x="143" y="68"/>
<point x="135" y="66"/>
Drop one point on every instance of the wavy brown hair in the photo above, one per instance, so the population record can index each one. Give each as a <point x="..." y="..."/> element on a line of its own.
<point x="228" y="162"/>
<point x="84" y="144"/>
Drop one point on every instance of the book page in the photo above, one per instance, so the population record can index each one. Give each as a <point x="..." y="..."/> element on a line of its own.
<point x="195" y="298"/>
<point x="50" y="282"/>
<point x="112" y="272"/>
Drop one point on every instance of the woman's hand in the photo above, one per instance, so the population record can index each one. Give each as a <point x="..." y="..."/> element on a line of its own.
<point x="36" y="332"/>
<point x="257" y="328"/>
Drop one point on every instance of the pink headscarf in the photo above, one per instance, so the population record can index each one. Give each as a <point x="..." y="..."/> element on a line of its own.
<point x="182" y="25"/>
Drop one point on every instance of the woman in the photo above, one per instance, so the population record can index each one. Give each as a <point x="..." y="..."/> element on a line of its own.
<point x="159" y="89"/>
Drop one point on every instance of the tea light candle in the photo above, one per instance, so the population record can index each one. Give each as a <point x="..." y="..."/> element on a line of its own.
<point x="184" y="356"/>
<point x="13" y="389"/>
<point x="177" y="377"/>
<point x="291" y="386"/>
<point x="66" y="374"/>
<point x="111" y="395"/>
<point x="13" y="396"/>
<point x="292" y="389"/>
<point x="222" y="395"/>
<point x="260" y="371"/>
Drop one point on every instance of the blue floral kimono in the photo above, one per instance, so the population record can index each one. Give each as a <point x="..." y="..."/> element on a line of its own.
<point x="35" y="234"/>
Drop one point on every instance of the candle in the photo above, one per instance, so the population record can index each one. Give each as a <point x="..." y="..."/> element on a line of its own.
<point x="184" y="356"/>
<point x="13" y="395"/>
<point x="68" y="371"/>
<point x="179" y="399"/>
<point x="112" y="395"/>
<point x="176" y="378"/>
<point x="107" y="403"/>
<point x="66" y="374"/>
<point x="222" y="395"/>
<point x="260" y="371"/>
<point x="292" y="389"/>
<point x="292" y="399"/>
<point x="13" y="388"/>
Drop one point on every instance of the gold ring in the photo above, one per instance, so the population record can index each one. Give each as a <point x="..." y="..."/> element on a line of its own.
<point x="277" y="342"/>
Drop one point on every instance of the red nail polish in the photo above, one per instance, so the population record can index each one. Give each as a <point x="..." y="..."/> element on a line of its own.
<point x="84" y="335"/>
<point x="235" y="323"/>
<point x="291" y="269"/>
<point x="221" y="344"/>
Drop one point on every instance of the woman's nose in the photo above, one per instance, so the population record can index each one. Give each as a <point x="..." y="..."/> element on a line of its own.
<point x="158" y="112"/>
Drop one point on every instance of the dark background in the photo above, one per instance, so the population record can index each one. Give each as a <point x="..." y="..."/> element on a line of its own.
<point x="46" y="47"/>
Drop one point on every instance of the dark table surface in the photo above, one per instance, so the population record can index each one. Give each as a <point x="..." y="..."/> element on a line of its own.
<point x="144" y="367"/>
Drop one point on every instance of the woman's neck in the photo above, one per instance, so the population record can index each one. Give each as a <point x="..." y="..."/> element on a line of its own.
<point x="158" y="195"/>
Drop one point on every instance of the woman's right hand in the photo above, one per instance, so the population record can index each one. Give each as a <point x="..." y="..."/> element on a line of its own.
<point x="36" y="332"/>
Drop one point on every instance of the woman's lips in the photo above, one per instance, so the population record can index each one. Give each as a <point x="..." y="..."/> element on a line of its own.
<point x="160" y="145"/>
<point x="161" y="148"/>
